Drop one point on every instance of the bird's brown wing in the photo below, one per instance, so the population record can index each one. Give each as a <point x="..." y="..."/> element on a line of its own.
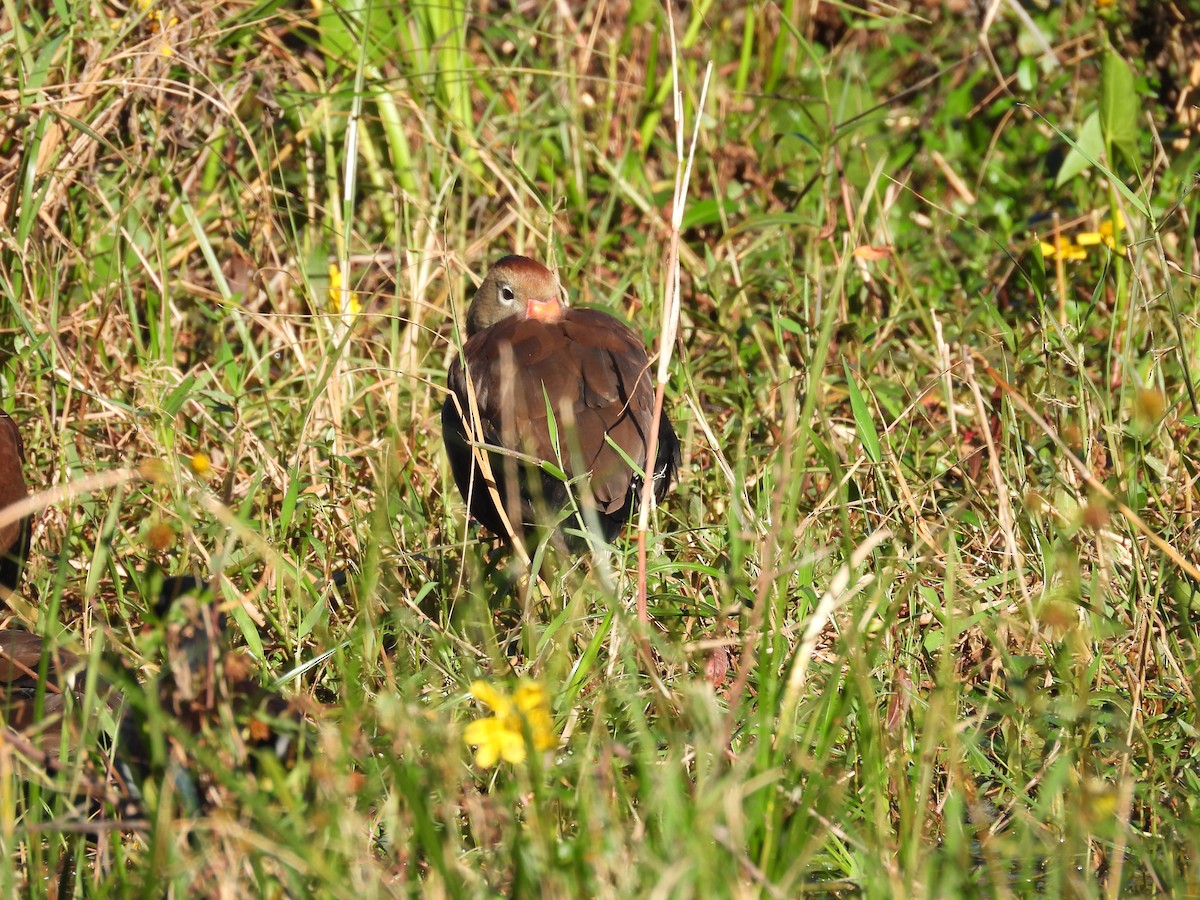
<point x="14" y="537"/>
<point x="457" y="433"/>
<point x="593" y="369"/>
<point x="20" y="659"/>
<point x="616" y="401"/>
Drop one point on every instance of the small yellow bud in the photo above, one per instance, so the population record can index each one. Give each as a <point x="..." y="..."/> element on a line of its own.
<point x="200" y="463"/>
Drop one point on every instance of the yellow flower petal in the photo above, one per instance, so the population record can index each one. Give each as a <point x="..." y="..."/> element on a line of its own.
<point x="200" y="463"/>
<point x="530" y="696"/>
<point x="490" y="697"/>
<point x="483" y="731"/>
<point x="1089" y="238"/>
<point x="503" y="736"/>
<point x="479" y="731"/>
<point x="1112" y="227"/>
<point x="496" y="740"/>
<point x="487" y="755"/>
<point x="341" y="300"/>
<point x="512" y="747"/>
<point x="1063" y="248"/>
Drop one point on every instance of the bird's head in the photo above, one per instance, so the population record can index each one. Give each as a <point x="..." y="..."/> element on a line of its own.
<point x="515" y="286"/>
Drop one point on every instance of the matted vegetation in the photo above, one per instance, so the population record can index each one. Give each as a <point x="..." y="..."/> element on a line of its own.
<point x="922" y="606"/>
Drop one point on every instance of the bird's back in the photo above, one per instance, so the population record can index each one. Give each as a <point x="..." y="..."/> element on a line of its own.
<point x="594" y="371"/>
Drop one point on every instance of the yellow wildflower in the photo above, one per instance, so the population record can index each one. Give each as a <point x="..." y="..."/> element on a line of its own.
<point x="200" y="463"/>
<point x="1109" y="231"/>
<point x="502" y="736"/>
<point x="347" y="306"/>
<point x="1074" y="249"/>
<point x="158" y="22"/>
<point x="1064" y="248"/>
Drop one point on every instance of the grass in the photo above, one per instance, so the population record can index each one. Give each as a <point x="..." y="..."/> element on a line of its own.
<point x="902" y="644"/>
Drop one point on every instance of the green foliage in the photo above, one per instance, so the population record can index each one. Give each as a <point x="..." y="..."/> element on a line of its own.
<point x="1119" y="108"/>
<point x="898" y="644"/>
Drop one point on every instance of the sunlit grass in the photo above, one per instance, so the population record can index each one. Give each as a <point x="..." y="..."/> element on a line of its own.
<point x="900" y="643"/>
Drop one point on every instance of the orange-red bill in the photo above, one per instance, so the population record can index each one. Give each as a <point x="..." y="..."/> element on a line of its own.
<point x="546" y="310"/>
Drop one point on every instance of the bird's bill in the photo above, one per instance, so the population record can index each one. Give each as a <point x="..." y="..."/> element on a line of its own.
<point x="550" y="310"/>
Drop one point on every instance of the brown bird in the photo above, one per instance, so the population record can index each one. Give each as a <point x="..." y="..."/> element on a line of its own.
<point x="570" y="388"/>
<point x="14" y="537"/>
<point x="207" y="688"/>
<point x="35" y="716"/>
<point x="20" y="657"/>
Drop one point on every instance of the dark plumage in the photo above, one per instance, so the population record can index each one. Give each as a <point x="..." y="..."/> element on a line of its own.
<point x="200" y="685"/>
<point x="14" y="537"/>
<point x="205" y="686"/>
<point x="36" y="717"/>
<point x="524" y="348"/>
<point x="20" y="658"/>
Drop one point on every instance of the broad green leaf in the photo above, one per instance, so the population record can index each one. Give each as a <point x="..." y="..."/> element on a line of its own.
<point x="551" y="469"/>
<point x="789" y="325"/>
<point x="773" y="220"/>
<point x="1037" y="273"/>
<point x="290" y="496"/>
<point x="1027" y="74"/>
<point x="175" y="400"/>
<point x="1122" y="188"/>
<point x="863" y="421"/>
<point x="249" y="630"/>
<point x="312" y="618"/>
<point x="1119" y="106"/>
<point x="551" y="424"/>
<point x="1090" y="147"/>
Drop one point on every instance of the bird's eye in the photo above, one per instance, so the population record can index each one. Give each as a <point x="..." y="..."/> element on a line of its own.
<point x="507" y="294"/>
